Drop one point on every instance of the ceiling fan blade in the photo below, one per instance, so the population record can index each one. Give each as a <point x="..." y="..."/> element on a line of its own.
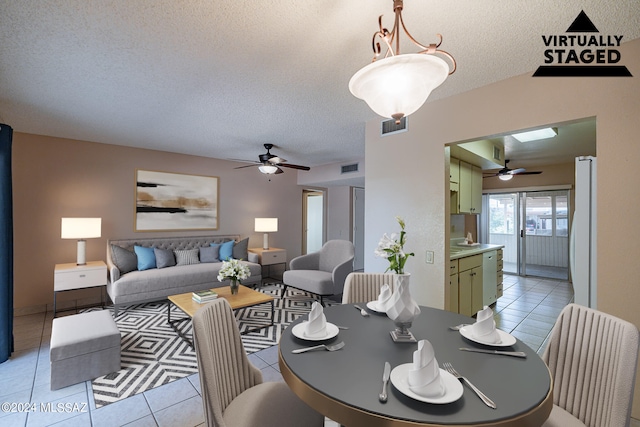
<point x="279" y="171"/>
<point x="299" y="167"/>
<point x="516" y="171"/>
<point x="528" y="173"/>
<point x="246" y="166"/>
<point x="277" y="160"/>
<point x="242" y="160"/>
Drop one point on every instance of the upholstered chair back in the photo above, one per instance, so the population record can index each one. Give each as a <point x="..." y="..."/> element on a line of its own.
<point x="592" y="357"/>
<point x="365" y="287"/>
<point x="225" y="370"/>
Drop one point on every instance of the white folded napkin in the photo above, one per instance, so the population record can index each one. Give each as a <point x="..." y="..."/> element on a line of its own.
<point x="485" y="327"/>
<point x="384" y="297"/>
<point x="316" y="327"/>
<point x="424" y="376"/>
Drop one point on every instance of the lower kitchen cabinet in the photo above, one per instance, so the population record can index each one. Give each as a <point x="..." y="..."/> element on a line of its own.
<point x="467" y="284"/>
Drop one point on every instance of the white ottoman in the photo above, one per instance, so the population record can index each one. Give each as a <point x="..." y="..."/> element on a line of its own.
<point x="83" y="347"/>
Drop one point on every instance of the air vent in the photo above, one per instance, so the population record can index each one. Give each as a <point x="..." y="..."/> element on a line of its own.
<point x="496" y="153"/>
<point x="349" y="168"/>
<point x="389" y="126"/>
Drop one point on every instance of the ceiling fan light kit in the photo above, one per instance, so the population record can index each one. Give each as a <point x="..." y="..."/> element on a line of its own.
<point x="268" y="169"/>
<point x="397" y="85"/>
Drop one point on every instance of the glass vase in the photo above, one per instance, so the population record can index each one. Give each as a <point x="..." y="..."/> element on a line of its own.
<point x="234" y="285"/>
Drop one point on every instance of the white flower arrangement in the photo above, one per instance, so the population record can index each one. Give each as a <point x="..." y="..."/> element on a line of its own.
<point x="392" y="248"/>
<point x="233" y="270"/>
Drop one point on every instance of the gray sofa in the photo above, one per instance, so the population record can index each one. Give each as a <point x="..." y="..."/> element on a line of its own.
<point x="133" y="287"/>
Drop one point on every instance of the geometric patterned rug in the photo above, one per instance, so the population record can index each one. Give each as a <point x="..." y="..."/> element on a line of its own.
<point x="152" y="354"/>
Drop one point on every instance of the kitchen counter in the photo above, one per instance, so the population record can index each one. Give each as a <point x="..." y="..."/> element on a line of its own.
<point x="457" y="251"/>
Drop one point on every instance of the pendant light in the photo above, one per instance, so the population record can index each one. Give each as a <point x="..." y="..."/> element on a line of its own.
<point x="397" y="85"/>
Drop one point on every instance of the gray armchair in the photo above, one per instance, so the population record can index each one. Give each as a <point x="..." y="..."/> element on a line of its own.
<point x="321" y="273"/>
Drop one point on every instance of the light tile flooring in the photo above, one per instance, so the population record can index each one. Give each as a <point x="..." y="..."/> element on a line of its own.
<point x="527" y="310"/>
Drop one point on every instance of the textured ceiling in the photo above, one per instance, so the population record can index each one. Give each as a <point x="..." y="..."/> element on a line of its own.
<point x="220" y="79"/>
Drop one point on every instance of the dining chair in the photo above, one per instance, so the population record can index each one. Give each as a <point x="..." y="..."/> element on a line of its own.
<point x="592" y="357"/>
<point x="323" y="272"/>
<point x="365" y="287"/>
<point x="233" y="393"/>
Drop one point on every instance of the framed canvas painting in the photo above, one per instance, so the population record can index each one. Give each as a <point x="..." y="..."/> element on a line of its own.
<point x="171" y="201"/>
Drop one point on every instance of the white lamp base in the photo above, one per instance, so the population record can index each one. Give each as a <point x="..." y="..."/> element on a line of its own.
<point x="82" y="252"/>
<point x="265" y="241"/>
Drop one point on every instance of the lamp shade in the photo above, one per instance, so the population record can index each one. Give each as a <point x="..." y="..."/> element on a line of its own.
<point x="266" y="225"/>
<point x="81" y="228"/>
<point x="505" y="177"/>
<point x="268" y="169"/>
<point x="398" y="85"/>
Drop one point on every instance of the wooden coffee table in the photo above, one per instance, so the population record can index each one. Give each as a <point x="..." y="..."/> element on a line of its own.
<point x="245" y="297"/>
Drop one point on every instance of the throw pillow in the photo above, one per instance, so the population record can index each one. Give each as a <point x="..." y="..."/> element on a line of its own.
<point x="164" y="258"/>
<point x="124" y="259"/>
<point x="226" y="250"/>
<point x="187" y="256"/>
<point x="146" y="258"/>
<point x="210" y="253"/>
<point x="240" y="249"/>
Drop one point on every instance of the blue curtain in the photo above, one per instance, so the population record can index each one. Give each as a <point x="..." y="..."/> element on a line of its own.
<point x="6" y="245"/>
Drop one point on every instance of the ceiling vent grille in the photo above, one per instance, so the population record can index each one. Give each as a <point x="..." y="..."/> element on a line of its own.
<point x="389" y="126"/>
<point x="350" y="168"/>
<point x="496" y="153"/>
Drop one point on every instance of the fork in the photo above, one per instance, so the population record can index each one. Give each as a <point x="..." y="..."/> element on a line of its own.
<point x="449" y="368"/>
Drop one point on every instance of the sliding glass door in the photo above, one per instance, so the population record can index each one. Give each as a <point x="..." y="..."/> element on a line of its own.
<point x="533" y="228"/>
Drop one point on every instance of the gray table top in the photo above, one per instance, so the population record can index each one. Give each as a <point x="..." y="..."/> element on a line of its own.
<point x="353" y="376"/>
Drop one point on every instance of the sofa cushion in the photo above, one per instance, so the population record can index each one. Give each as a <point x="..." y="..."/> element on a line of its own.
<point x="124" y="259"/>
<point x="146" y="258"/>
<point x="240" y="249"/>
<point x="187" y="257"/>
<point x="226" y="250"/>
<point x="315" y="281"/>
<point x="164" y="258"/>
<point x="210" y="253"/>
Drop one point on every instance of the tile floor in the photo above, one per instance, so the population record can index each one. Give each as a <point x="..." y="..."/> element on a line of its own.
<point x="527" y="310"/>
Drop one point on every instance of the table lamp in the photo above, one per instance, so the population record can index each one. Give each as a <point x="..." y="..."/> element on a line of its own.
<point x="81" y="229"/>
<point x="266" y="226"/>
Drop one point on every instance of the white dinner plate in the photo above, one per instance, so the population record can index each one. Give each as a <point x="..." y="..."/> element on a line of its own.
<point x="452" y="385"/>
<point x="373" y="306"/>
<point x="506" y="339"/>
<point x="299" y="332"/>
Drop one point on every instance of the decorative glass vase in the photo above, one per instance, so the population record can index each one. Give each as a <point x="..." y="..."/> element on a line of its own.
<point x="234" y="284"/>
<point x="402" y="309"/>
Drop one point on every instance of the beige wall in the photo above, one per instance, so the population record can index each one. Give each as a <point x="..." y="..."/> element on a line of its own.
<point x="55" y="178"/>
<point x="406" y="173"/>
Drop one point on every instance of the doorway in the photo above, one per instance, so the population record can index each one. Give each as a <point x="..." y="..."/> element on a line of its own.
<point x="313" y="230"/>
<point x="533" y="227"/>
<point x="358" y="228"/>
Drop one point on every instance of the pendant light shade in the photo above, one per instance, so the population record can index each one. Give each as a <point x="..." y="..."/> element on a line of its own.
<point x="397" y="86"/>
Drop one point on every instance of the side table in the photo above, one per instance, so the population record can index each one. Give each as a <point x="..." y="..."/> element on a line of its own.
<point x="270" y="257"/>
<point x="67" y="277"/>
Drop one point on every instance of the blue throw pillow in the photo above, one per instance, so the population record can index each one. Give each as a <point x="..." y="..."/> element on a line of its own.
<point x="146" y="257"/>
<point x="226" y="251"/>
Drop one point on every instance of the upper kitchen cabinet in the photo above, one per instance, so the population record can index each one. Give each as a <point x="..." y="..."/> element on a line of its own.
<point x="470" y="189"/>
<point x="467" y="160"/>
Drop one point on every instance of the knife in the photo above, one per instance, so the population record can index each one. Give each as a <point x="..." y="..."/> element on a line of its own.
<point x="504" y="353"/>
<point x="385" y="380"/>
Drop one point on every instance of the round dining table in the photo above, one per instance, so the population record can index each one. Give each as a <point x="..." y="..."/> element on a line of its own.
<point x="344" y="385"/>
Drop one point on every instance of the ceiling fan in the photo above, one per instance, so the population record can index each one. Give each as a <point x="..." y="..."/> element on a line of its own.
<point x="506" y="173"/>
<point x="270" y="163"/>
